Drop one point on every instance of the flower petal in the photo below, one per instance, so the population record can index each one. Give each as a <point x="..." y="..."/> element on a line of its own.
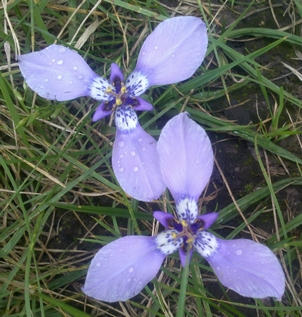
<point x="116" y="73"/>
<point x="121" y="269"/>
<point x="168" y="242"/>
<point x="173" y="51"/>
<point x="186" y="157"/>
<point x="101" y="112"/>
<point x="249" y="268"/>
<point x="136" y="84"/>
<point x="143" y="105"/>
<point x="183" y="256"/>
<point x="135" y="160"/>
<point x="57" y="73"/>
<point x="164" y="218"/>
<point x="208" y="219"/>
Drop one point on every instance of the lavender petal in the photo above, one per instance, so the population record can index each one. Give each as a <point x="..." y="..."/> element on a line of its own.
<point x="142" y="105"/>
<point x="249" y="268"/>
<point x="173" y="51"/>
<point x="208" y="219"/>
<point x="135" y="159"/>
<point x="121" y="269"/>
<point x="101" y="112"/>
<point x="116" y="73"/>
<point x="58" y="73"/>
<point x="186" y="157"/>
<point x="163" y="218"/>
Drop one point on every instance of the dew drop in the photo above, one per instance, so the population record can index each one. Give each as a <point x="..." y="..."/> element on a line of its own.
<point x="121" y="169"/>
<point x="172" y="55"/>
<point x="143" y="53"/>
<point x="70" y="82"/>
<point x="75" y="68"/>
<point x="156" y="47"/>
<point x="131" y="269"/>
<point x="60" y="62"/>
<point x="98" y="264"/>
<point x="59" y="76"/>
<point x="80" y="77"/>
<point x="143" y="149"/>
<point x="238" y="252"/>
<point x="140" y="140"/>
<point x="135" y="169"/>
<point x="62" y="50"/>
<point x="53" y="60"/>
<point x="121" y="143"/>
<point x="45" y="80"/>
<point x="218" y="268"/>
<point x="121" y="156"/>
<point x="133" y="153"/>
<point x="42" y="87"/>
<point x="129" y="279"/>
<point x="197" y="161"/>
<point x="140" y="283"/>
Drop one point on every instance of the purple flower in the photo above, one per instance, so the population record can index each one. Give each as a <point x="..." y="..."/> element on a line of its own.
<point x="121" y="269"/>
<point x="171" y="53"/>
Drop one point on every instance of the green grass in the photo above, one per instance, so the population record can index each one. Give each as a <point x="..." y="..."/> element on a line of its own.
<point x="59" y="200"/>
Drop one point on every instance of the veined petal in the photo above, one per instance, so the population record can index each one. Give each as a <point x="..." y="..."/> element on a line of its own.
<point x="101" y="112"/>
<point x="187" y="209"/>
<point x="136" y="83"/>
<point x="186" y="157"/>
<point x="168" y="242"/>
<point x="135" y="160"/>
<point x="249" y="268"/>
<point x="121" y="269"/>
<point x="57" y="73"/>
<point x="173" y="51"/>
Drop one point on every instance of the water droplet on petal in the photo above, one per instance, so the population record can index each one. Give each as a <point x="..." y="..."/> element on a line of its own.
<point x="156" y="47"/>
<point x="132" y="153"/>
<point x="121" y="156"/>
<point x="143" y="53"/>
<point x="45" y="80"/>
<point x="60" y="62"/>
<point x="238" y="252"/>
<point x="59" y="76"/>
<point x="130" y="269"/>
<point x="62" y="50"/>
<point x="80" y="77"/>
<point x="98" y="264"/>
<point x="172" y="55"/>
<point x="121" y="143"/>
<point x="217" y="268"/>
<point x="121" y="169"/>
<point x="129" y="279"/>
<point x="140" y="140"/>
<point x="135" y="169"/>
<point x="53" y="60"/>
<point x="75" y="68"/>
<point x="143" y="149"/>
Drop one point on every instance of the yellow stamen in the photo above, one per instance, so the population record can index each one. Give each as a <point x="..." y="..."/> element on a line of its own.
<point x="184" y="223"/>
<point x="108" y="90"/>
<point x="123" y="89"/>
<point x="174" y="235"/>
<point x="190" y="240"/>
<point x="118" y="101"/>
